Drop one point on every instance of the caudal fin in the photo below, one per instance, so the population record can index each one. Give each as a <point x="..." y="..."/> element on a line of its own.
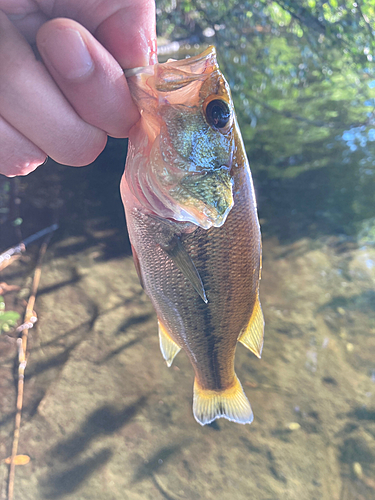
<point x="231" y="404"/>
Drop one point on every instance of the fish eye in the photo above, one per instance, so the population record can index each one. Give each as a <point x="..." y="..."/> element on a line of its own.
<point x="217" y="113"/>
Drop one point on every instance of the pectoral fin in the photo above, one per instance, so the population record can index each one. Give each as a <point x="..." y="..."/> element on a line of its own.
<point x="231" y="404"/>
<point x="252" y="335"/>
<point x="137" y="266"/>
<point x="183" y="261"/>
<point x="168" y="347"/>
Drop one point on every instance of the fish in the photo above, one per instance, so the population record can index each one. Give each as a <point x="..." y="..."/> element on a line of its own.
<point x="193" y="226"/>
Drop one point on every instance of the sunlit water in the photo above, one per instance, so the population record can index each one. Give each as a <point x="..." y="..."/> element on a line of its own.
<point x="104" y="418"/>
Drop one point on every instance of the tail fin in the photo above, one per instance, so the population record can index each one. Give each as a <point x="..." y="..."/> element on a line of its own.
<point x="231" y="404"/>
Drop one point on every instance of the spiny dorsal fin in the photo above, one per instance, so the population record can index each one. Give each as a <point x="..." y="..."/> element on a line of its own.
<point x="183" y="261"/>
<point x="168" y="347"/>
<point x="230" y="403"/>
<point x="252" y="335"/>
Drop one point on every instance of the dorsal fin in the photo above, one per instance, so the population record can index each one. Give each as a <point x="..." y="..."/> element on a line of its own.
<point x="177" y="252"/>
<point x="252" y="336"/>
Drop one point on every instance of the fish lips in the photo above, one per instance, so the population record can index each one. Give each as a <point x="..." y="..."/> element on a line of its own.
<point x="208" y="196"/>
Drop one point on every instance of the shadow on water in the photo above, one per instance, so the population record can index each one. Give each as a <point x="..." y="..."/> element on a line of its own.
<point x="363" y="414"/>
<point x="66" y="343"/>
<point x="119" y="350"/>
<point x="73" y="338"/>
<point x="66" y="483"/>
<point x="364" y="302"/>
<point x="85" y="326"/>
<point x="75" y="279"/>
<point x="356" y="450"/>
<point x="104" y="421"/>
<point x="154" y="463"/>
<point x="273" y="468"/>
<point x="215" y="425"/>
<point x="54" y="362"/>
<point x="133" y="321"/>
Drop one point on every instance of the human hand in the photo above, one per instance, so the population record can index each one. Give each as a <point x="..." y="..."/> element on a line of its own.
<point x="65" y="105"/>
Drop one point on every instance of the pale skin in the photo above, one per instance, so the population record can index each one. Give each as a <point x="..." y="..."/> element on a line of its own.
<point x="66" y="101"/>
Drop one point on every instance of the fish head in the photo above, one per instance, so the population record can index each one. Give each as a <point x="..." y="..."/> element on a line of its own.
<point x="187" y="140"/>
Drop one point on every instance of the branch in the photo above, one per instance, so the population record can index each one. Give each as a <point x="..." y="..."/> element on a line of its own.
<point x="365" y="18"/>
<point x="13" y="253"/>
<point x="29" y="320"/>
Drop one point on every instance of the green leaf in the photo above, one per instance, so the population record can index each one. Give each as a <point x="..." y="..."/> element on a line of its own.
<point x="8" y="319"/>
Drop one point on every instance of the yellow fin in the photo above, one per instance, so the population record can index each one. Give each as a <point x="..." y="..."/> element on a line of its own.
<point x="252" y="335"/>
<point x="231" y="404"/>
<point x="168" y="347"/>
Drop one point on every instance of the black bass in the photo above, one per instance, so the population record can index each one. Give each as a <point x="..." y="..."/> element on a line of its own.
<point x="193" y="225"/>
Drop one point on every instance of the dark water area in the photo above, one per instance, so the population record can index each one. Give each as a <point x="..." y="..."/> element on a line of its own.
<point x="103" y="416"/>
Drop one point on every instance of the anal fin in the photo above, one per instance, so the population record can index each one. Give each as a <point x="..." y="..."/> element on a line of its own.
<point x="252" y="336"/>
<point x="184" y="262"/>
<point x="230" y="403"/>
<point x="168" y="347"/>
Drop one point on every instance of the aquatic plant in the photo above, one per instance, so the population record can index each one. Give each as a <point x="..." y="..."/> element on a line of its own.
<point x="8" y="319"/>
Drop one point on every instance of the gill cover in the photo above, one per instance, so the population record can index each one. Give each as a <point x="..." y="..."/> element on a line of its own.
<point x="181" y="151"/>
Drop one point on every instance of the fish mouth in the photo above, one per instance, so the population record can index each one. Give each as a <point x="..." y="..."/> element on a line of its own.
<point x="207" y="197"/>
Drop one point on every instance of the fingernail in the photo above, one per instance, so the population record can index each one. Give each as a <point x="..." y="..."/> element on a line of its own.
<point x="153" y="51"/>
<point x="45" y="161"/>
<point x="148" y="49"/>
<point x="68" y="54"/>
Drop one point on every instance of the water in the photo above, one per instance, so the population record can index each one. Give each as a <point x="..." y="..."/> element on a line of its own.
<point x="104" y="417"/>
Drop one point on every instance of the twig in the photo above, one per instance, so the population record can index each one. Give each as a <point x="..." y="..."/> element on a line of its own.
<point x="365" y="18"/>
<point x="29" y="320"/>
<point x="5" y="258"/>
<point x="7" y="262"/>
